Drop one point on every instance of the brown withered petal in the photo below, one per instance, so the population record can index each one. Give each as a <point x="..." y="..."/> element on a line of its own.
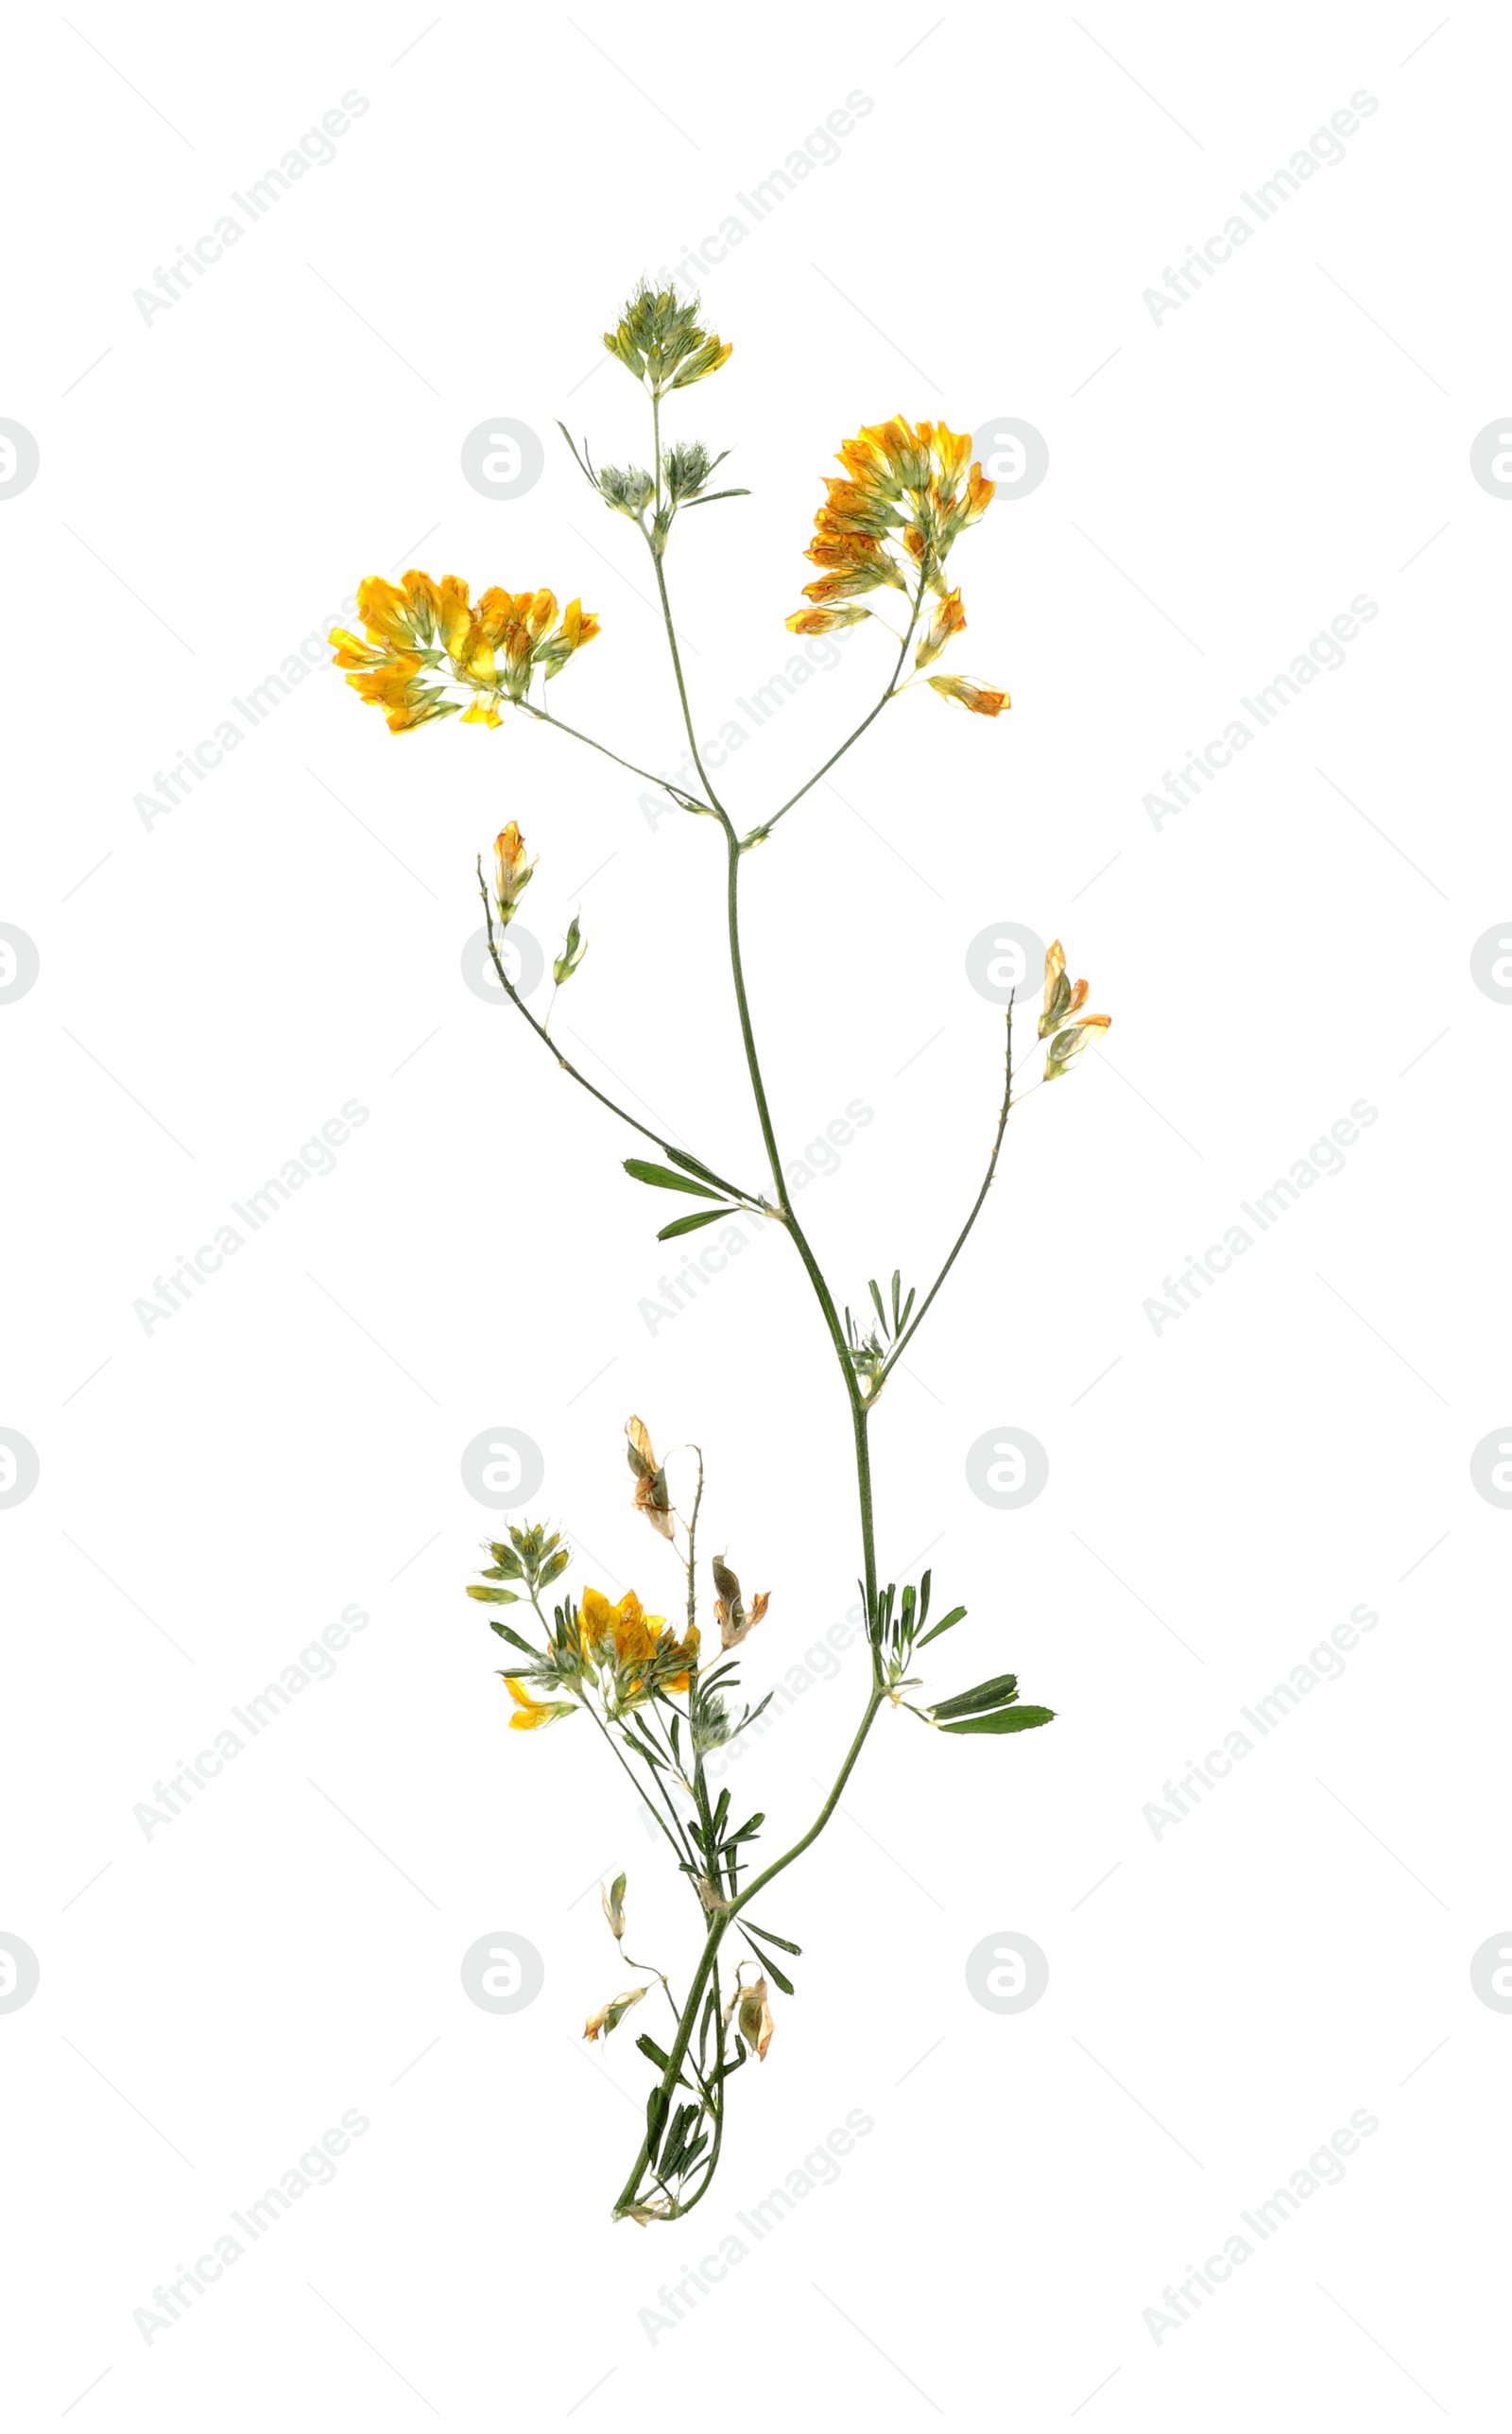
<point x="736" y="1622"/>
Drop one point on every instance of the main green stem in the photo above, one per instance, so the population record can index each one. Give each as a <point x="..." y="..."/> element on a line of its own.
<point x="858" y="1420"/>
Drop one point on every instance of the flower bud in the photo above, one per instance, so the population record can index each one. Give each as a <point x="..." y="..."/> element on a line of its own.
<point x="571" y="955"/>
<point x="512" y="871"/>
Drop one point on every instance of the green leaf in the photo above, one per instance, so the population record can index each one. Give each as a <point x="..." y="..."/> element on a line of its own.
<point x="1004" y="1720"/>
<point x="652" y="2051"/>
<point x="996" y="1693"/>
<point x="656" y="2114"/>
<point x="767" y="1937"/>
<point x="956" y="1614"/>
<point x="770" y="1966"/>
<point x="691" y="1224"/>
<point x="695" y="1166"/>
<point x="645" y="1172"/>
<point x="513" y="1637"/>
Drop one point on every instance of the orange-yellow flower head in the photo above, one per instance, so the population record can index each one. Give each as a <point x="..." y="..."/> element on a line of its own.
<point x="423" y="638"/>
<point x="909" y="491"/>
<point x="1061" y="1003"/>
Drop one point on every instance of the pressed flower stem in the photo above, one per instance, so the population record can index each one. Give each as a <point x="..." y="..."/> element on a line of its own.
<point x="863" y="1457"/>
<point x="764" y="1114"/>
<point x="684" y="801"/>
<point x="959" y="1243"/>
<point x="690" y="2010"/>
<point x="747" y="1200"/>
<point x="766" y="826"/>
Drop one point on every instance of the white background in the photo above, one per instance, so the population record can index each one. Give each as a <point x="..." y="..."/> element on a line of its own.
<point x="215" y="985"/>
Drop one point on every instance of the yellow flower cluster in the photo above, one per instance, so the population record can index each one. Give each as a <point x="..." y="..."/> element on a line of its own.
<point x="640" y="1646"/>
<point x="423" y="635"/>
<point x="908" y="494"/>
